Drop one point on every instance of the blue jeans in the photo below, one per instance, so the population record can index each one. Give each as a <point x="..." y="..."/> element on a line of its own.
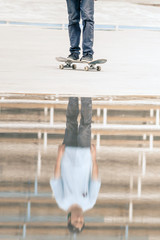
<point x="85" y="10"/>
<point x="73" y="136"/>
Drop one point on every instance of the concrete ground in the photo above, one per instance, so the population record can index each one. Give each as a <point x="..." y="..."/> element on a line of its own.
<point x="27" y="53"/>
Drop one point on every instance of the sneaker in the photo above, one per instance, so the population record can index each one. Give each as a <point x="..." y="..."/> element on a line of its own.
<point x="73" y="56"/>
<point x="87" y="57"/>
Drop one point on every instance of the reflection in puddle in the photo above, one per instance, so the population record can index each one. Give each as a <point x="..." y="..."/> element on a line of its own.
<point x="126" y="136"/>
<point x="75" y="184"/>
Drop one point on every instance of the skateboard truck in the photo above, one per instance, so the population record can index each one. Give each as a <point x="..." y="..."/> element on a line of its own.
<point x="68" y="65"/>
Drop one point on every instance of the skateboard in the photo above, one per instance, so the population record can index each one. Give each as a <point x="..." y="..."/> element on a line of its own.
<point x="69" y="63"/>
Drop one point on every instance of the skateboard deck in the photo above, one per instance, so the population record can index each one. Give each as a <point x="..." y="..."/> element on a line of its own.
<point x="69" y="63"/>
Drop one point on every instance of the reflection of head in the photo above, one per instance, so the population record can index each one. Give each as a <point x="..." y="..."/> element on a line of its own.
<point x="75" y="222"/>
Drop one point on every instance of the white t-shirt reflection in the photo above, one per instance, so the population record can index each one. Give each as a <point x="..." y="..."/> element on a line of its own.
<point x="75" y="186"/>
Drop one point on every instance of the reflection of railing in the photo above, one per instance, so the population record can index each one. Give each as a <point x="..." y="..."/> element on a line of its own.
<point x="97" y="129"/>
<point x="51" y="225"/>
<point x="33" y="223"/>
<point x="107" y="124"/>
<point x="111" y="226"/>
<point x="95" y="230"/>
<point x="111" y="104"/>
<point x="21" y="196"/>
<point x="106" y="203"/>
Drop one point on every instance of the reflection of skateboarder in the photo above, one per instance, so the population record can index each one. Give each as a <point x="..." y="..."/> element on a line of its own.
<point x="85" y="9"/>
<point x="75" y="184"/>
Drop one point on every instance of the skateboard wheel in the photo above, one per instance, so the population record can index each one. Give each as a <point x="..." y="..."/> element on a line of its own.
<point x="61" y="66"/>
<point x="86" y="68"/>
<point x="98" y="68"/>
<point x="74" y="66"/>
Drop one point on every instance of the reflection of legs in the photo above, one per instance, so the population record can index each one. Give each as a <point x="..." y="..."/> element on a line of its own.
<point x="84" y="135"/>
<point x="70" y="138"/>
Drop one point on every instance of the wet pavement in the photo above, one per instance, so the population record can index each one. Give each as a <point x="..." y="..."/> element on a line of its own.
<point x="128" y="202"/>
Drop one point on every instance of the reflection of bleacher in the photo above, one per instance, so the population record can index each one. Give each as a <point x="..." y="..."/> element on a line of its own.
<point x="39" y="215"/>
<point x="127" y="134"/>
<point x="136" y="119"/>
<point x="27" y="205"/>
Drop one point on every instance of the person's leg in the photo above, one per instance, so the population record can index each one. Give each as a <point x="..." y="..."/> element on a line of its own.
<point x="84" y="134"/>
<point x="71" y="131"/>
<point x="74" y="29"/>
<point x="87" y="13"/>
